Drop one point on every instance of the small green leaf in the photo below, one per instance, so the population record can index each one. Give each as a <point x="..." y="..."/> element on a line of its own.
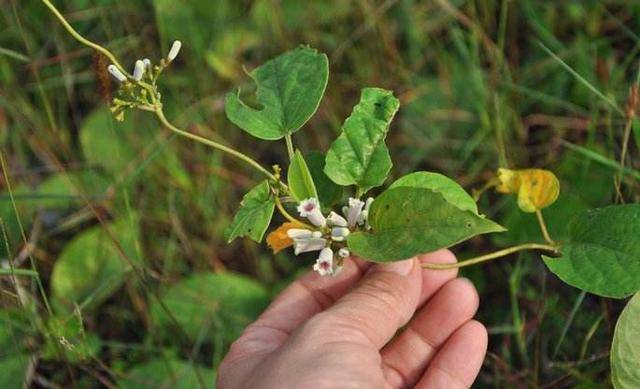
<point x="290" y="88"/>
<point x="625" y="350"/>
<point x="211" y="304"/>
<point x="167" y="373"/>
<point x="408" y="221"/>
<point x="299" y="178"/>
<point x="448" y="188"/>
<point x="602" y="254"/>
<point x="359" y="156"/>
<point x="91" y="267"/>
<point x="329" y="192"/>
<point x="254" y="214"/>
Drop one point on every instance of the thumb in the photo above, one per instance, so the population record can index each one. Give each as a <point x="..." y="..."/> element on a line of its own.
<point x="383" y="301"/>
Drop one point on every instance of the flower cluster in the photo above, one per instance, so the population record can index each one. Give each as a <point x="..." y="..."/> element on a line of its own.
<point x="330" y="232"/>
<point x="136" y="88"/>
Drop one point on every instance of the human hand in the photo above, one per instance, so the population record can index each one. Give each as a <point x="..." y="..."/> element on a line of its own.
<point x="338" y="332"/>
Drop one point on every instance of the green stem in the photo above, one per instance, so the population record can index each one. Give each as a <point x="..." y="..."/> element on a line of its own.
<point x="215" y="145"/>
<point x="82" y="39"/>
<point x="543" y="228"/>
<point x="289" y="142"/>
<point x="490" y="256"/>
<point x="288" y="216"/>
<point x="18" y="272"/>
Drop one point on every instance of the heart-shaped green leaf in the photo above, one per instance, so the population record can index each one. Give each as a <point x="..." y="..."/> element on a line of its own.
<point x="254" y="215"/>
<point x="359" y="156"/>
<point x="299" y="178"/>
<point x="602" y="254"/>
<point x="625" y="350"/>
<point x="290" y="88"/>
<point x="448" y="188"/>
<point x="408" y="221"/>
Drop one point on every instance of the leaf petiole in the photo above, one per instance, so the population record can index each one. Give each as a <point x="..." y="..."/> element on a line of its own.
<point x="490" y="256"/>
<point x="543" y="228"/>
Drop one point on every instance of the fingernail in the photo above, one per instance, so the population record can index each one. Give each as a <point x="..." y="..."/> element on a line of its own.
<point x="402" y="267"/>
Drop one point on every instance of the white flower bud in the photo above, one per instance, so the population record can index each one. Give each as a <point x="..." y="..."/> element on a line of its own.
<point x="175" y="49"/>
<point x="364" y="216"/>
<point x="310" y="208"/>
<point x="304" y="245"/>
<point x="354" y="211"/>
<point x="147" y="63"/>
<point x="324" y="264"/>
<point x="138" y="70"/>
<point x="343" y="252"/>
<point x="116" y="73"/>
<point x="336" y="220"/>
<point x="298" y="233"/>
<point x="338" y="234"/>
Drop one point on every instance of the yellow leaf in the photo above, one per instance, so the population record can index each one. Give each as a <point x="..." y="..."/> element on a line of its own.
<point x="278" y="239"/>
<point x="536" y="188"/>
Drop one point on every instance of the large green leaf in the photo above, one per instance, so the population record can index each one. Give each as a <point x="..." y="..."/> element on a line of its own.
<point x="254" y="215"/>
<point x="625" y="350"/>
<point x="448" y="188"/>
<point x="91" y="267"/>
<point x="408" y="221"/>
<point x="299" y="178"/>
<point x="212" y="304"/>
<point x="359" y="156"/>
<point x="602" y="254"/>
<point x="290" y="88"/>
<point x="168" y="373"/>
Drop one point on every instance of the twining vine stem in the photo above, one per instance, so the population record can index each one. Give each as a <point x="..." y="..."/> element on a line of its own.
<point x="160" y="114"/>
<point x="490" y="256"/>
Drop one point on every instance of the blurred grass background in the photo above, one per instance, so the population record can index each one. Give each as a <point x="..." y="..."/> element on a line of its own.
<point x="123" y="222"/>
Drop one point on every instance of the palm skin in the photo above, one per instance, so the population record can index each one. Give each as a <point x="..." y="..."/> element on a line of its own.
<point x="371" y="326"/>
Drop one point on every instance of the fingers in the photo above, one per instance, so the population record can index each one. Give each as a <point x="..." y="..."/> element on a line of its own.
<point x="432" y="280"/>
<point x="307" y="296"/>
<point x="458" y="362"/>
<point x="371" y="313"/>
<point x="405" y="358"/>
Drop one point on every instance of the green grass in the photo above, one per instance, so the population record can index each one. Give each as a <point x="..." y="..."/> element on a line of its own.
<point x="482" y="84"/>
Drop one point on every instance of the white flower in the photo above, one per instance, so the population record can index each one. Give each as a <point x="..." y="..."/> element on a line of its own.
<point x="306" y="240"/>
<point x="175" y="49"/>
<point x="364" y="216"/>
<point x="310" y="208"/>
<point x="336" y="220"/>
<point x="339" y="233"/>
<point x="299" y="233"/>
<point x="116" y="73"/>
<point x="138" y="70"/>
<point x="324" y="263"/>
<point x="354" y="211"/>
<point x="147" y="63"/>
<point x="343" y="252"/>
